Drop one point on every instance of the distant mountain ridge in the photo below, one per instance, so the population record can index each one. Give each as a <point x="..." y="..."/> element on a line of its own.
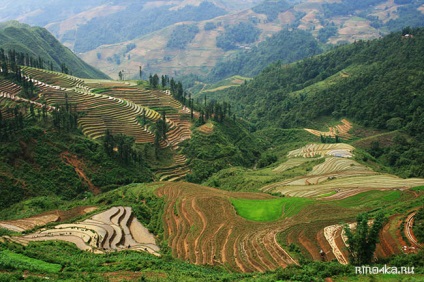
<point x="100" y="30"/>
<point x="38" y="42"/>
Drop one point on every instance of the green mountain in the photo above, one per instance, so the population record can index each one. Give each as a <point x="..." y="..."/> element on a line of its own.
<point x="375" y="84"/>
<point x="38" y="42"/>
<point x="282" y="46"/>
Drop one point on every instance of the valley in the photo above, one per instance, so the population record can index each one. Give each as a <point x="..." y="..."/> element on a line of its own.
<point x="221" y="140"/>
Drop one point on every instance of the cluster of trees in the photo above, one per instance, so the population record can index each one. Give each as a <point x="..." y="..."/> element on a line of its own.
<point x="121" y="147"/>
<point x="329" y="139"/>
<point x="362" y="241"/>
<point x="155" y="82"/>
<point x="326" y="32"/>
<point x="382" y="89"/>
<point x="214" y="110"/>
<point x="235" y="35"/>
<point x="10" y="125"/>
<point x="11" y="60"/>
<point x="14" y="58"/>
<point x="65" y="118"/>
<point x="181" y="36"/>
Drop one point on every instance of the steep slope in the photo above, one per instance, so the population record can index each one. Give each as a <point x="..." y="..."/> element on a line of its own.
<point x="375" y="84"/>
<point x="38" y="42"/>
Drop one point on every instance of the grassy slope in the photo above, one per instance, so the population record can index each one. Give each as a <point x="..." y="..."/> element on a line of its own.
<point x="37" y="41"/>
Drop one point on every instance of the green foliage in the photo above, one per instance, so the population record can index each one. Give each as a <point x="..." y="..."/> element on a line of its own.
<point x="234" y="35"/>
<point x="38" y="42"/>
<point x="266" y="159"/>
<point x="230" y="144"/>
<point x="181" y="36"/>
<point x="326" y="32"/>
<point x="363" y="241"/>
<point x="32" y="165"/>
<point x="282" y="46"/>
<point x="269" y="209"/>
<point x="11" y="260"/>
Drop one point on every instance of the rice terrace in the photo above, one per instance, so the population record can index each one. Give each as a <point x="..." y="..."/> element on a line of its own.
<point x="239" y="231"/>
<point x="288" y="148"/>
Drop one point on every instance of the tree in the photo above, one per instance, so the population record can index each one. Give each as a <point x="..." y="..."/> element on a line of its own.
<point x="363" y="240"/>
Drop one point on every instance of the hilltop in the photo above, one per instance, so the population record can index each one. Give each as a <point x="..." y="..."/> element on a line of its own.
<point x="38" y="43"/>
<point x="375" y="84"/>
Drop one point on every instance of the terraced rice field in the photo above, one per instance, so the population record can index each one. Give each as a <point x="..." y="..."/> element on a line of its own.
<point x="175" y="172"/>
<point x="21" y="225"/>
<point x="337" y="177"/>
<point x="112" y="230"/>
<point x="118" y="108"/>
<point x="202" y="226"/>
<point x="341" y="130"/>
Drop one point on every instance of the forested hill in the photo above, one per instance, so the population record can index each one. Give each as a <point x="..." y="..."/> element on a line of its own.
<point x="282" y="46"/>
<point x="37" y="42"/>
<point x="375" y="83"/>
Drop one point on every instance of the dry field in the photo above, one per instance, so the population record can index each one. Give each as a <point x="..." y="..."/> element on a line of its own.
<point x="337" y="177"/>
<point x="341" y="130"/>
<point x="112" y="230"/>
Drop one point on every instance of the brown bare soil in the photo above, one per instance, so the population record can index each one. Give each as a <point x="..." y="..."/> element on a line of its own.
<point x="20" y="225"/>
<point x="207" y="230"/>
<point x="207" y="128"/>
<point x="78" y="166"/>
<point x="111" y="230"/>
<point x="341" y="130"/>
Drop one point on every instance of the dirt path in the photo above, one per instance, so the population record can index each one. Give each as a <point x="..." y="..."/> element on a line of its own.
<point x="409" y="223"/>
<point x="77" y="164"/>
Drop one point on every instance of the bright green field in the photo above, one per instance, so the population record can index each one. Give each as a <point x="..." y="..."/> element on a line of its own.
<point x="419" y="188"/>
<point x="269" y="210"/>
<point x="11" y="260"/>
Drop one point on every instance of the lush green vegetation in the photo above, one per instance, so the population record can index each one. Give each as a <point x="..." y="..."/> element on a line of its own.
<point x="33" y="161"/>
<point x="181" y="36"/>
<point x="363" y="241"/>
<point x="375" y="84"/>
<point x="236" y="35"/>
<point x="270" y="209"/>
<point x="282" y="46"/>
<point x="38" y="42"/>
<point x="11" y="260"/>
<point x="230" y="144"/>
<point x="326" y="32"/>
